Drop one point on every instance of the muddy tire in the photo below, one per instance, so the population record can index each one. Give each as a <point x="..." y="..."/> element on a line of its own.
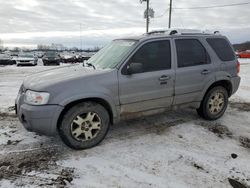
<point x="214" y="104"/>
<point x="84" y="125"/>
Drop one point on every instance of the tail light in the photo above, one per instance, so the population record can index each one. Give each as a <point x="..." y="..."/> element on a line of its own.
<point x="238" y="67"/>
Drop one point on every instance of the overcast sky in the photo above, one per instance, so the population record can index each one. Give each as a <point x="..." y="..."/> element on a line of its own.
<point x="31" y="22"/>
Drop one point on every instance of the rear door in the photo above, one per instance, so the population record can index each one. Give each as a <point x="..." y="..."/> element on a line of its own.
<point x="153" y="88"/>
<point x="193" y="71"/>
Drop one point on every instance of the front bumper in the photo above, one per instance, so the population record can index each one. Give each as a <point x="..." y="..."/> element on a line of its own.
<point x="26" y="62"/>
<point x="41" y="119"/>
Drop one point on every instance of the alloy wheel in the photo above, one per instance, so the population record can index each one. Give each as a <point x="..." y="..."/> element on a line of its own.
<point x="86" y="126"/>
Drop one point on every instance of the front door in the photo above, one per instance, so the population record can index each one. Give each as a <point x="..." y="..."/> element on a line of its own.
<point x="153" y="87"/>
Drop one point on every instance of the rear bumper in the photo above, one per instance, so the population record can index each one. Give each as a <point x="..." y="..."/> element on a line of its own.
<point x="235" y="83"/>
<point x="40" y="119"/>
<point x="51" y="62"/>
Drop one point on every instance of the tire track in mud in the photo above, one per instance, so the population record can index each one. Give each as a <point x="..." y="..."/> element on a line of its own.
<point x="241" y="106"/>
<point x="38" y="167"/>
<point x="32" y="163"/>
<point x="155" y="124"/>
<point x="217" y="128"/>
<point x="158" y="124"/>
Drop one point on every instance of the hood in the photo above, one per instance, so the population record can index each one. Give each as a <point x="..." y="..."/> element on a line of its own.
<point x="68" y="56"/>
<point x="49" y="78"/>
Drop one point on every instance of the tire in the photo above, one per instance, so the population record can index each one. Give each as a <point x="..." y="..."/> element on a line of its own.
<point x="77" y="128"/>
<point x="214" y="103"/>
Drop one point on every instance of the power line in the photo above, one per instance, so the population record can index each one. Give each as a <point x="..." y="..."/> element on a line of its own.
<point x="214" y="6"/>
<point x="198" y="7"/>
<point x="163" y="14"/>
<point x="206" y="7"/>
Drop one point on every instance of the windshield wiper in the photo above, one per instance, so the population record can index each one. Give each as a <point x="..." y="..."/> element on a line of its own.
<point x="89" y="65"/>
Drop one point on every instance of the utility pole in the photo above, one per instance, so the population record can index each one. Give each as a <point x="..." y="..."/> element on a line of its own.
<point x="81" y="36"/>
<point x="147" y="14"/>
<point x="170" y="14"/>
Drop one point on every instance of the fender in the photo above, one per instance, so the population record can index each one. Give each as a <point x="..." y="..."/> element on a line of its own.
<point x="224" y="77"/>
<point x="102" y="96"/>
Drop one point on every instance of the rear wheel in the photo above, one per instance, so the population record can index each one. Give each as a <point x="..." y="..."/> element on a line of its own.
<point x="84" y="125"/>
<point x="214" y="103"/>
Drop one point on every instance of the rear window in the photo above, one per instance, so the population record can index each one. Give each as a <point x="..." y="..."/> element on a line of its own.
<point x="221" y="48"/>
<point x="190" y="52"/>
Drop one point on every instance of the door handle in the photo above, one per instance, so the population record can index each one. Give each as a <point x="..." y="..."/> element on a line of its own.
<point x="205" y="71"/>
<point x="164" y="78"/>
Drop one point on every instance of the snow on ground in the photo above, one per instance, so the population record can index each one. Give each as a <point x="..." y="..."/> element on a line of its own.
<point x="174" y="149"/>
<point x="11" y="78"/>
<point x="244" y="91"/>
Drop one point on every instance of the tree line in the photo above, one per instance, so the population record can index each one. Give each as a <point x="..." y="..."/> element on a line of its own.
<point x="242" y="46"/>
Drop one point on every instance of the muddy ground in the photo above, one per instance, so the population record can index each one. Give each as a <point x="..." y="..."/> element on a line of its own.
<point x="31" y="160"/>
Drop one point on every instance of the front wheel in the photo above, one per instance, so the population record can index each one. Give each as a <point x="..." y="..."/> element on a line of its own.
<point x="214" y="103"/>
<point x="84" y="125"/>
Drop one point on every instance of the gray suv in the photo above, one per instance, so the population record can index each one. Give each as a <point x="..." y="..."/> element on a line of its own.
<point x="128" y="78"/>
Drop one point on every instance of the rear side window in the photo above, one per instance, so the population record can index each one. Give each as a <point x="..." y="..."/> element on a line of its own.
<point x="221" y="48"/>
<point x="154" y="56"/>
<point x="190" y="52"/>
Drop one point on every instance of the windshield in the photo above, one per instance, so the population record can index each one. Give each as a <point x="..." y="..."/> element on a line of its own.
<point x="112" y="54"/>
<point x="50" y="54"/>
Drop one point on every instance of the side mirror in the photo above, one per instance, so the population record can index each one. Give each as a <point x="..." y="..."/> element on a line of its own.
<point x="134" y="68"/>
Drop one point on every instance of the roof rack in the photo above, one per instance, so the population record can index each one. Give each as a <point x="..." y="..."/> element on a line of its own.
<point x="182" y="32"/>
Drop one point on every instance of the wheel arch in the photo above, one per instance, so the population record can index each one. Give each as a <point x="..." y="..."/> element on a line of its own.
<point x="98" y="100"/>
<point x="224" y="83"/>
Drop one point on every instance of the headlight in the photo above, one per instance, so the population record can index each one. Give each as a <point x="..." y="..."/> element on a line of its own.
<point x="36" y="98"/>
